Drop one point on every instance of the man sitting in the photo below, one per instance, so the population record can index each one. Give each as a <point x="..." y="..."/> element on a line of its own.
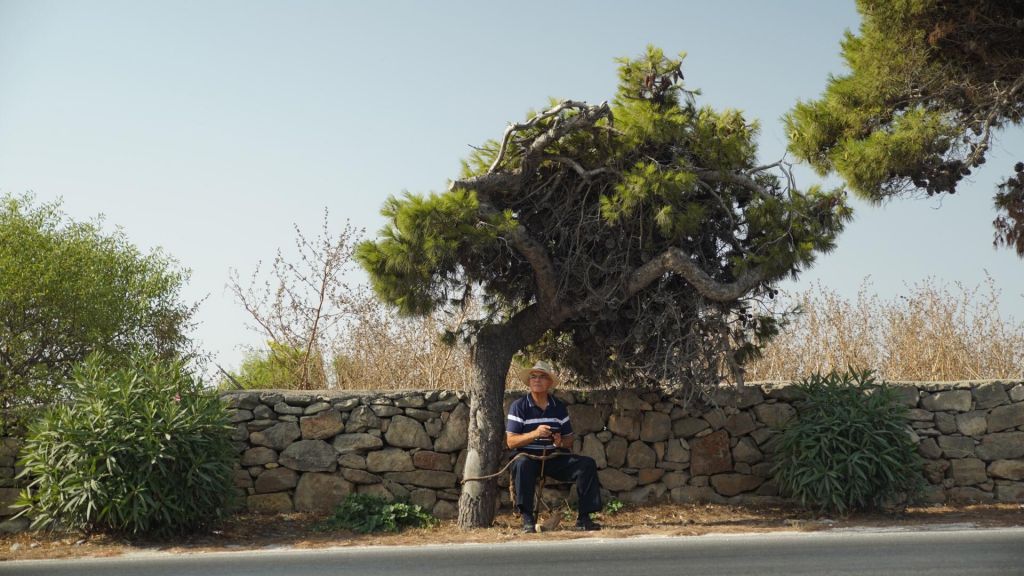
<point x="538" y="423"/>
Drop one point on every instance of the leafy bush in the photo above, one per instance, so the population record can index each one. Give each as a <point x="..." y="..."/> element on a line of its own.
<point x="849" y="448"/>
<point x="138" y="449"/>
<point x="68" y="289"/>
<point x="365" y="513"/>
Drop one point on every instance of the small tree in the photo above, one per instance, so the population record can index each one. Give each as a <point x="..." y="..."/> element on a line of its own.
<point x="629" y="241"/>
<point x="301" y="306"/>
<point x="930" y="84"/>
<point x="68" y="289"/>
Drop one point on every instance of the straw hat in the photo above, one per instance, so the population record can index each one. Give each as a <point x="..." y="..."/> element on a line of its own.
<point x="541" y="366"/>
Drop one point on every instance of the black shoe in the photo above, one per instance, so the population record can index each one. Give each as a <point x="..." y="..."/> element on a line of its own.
<point x="587" y="525"/>
<point x="529" y="528"/>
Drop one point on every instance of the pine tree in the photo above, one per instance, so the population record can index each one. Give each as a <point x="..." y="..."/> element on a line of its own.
<point x="930" y="84"/>
<point x="630" y="242"/>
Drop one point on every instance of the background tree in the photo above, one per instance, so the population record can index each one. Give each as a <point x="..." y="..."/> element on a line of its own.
<point x="930" y="83"/>
<point x="628" y="241"/>
<point x="68" y="289"/>
<point x="299" y="308"/>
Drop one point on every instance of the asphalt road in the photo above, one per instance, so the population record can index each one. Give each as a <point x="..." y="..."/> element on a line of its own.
<point x="936" y="553"/>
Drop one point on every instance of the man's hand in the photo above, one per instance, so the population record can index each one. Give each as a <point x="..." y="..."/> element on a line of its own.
<point x="542" y="431"/>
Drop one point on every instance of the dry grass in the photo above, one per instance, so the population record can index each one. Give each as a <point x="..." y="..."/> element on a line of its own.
<point x="936" y="332"/>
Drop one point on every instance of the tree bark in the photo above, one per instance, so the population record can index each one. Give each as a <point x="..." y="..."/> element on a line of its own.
<point x="492" y="357"/>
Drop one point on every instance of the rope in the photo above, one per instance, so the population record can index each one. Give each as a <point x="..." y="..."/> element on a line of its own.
<point x="507" y="466"/>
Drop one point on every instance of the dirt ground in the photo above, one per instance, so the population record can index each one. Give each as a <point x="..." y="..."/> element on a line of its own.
<point x="247" y="532"/>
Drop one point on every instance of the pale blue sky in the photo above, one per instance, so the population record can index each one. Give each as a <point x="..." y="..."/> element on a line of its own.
<point x="209" y="127"/>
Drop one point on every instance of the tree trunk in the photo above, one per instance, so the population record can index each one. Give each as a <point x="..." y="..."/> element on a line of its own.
<point x="492" y="357"/>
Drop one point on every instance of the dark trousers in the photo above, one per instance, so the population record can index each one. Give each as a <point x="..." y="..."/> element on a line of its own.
<point x="567" y="468"/>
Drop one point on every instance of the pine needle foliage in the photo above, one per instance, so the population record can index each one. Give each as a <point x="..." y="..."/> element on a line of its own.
<point x="929" y="85"/>
<point x="139" y="449"/>
<point x="588" y="195"/>
<point x="850" y="446"/>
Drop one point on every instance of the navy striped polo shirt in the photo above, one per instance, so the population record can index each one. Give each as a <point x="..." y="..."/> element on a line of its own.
<point x="525" y="416"/>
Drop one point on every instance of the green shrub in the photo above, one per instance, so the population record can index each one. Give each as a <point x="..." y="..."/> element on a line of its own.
<point x="140" y="449"/>
<point x="365" y="513"/>
<point x="849" y="448"/>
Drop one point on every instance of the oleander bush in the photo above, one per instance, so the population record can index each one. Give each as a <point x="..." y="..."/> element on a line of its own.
<point x="849" y="448"/>
<point x="365" y="513"/>
<point x="139" y="448"/>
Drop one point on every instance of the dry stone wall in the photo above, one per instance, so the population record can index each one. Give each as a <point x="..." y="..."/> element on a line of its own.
<point x="306" y="451"/>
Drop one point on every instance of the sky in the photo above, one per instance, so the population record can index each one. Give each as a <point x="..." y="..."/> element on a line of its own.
<point x="210" y="128"/>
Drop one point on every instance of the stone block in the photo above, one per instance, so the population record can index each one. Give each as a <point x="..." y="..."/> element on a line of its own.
<point x="714" y="418"/>
<point x="626" y="424"/>
<point x="640" y="455"/>
<point x="455" y="433"/>
<point x="406" y="432"/>
<point x="746" y="451"/>
<point x="689" y="427"/>
<point x="322" y="425"/>
<point x="675" y="479"/>
<point x="695" y="495"/>
<point x="945" y="423"/>
<point x="258" y="456"/>
<point x="774" y="415"/>
<point x="445" y="510"/>
<point x="640" y="495"/>
<point x="309" y="456"/>
<point x="389" y="460"/>
<point x="906" y="395"/>
<point x="424" y="498"/>
<point x="1001" y="446"/>
<point x="990" y="395"/>
<point x="378" y="490"/>
<point x="616" y="480"/>
<point x="956" y="446"/>
<point x="278" y="436"/>
<point x="386" y="411"/>
<point x="947" y="401"/>
<point x="677" y="450"/>
<point x="276" y="480"/>
<point x="424" y="478"/>
<point x="1006" y="417"/>
<point x="740" y="424"/>
<point x="444" y="405"/>
<point x="649" y="475"/>
<point x="276" y="503"/>
<point x="316" y="408"/>
<point x="929" y="448"/>
<point x="345" y="404"/>
<point x="615" y="451"/>
<point x="318" y="492"/>
<point x="361" y="419"/>
<point x="411" y="401"/>
<point x="586" y="419"/>
<point x="358" y="442"/>
<point x="1009" y="492"/>
<point x="1017" y="393"/>
<point x="733" y="484"/>
<point x="935" y="470"/>
<point x="428" y="460"/>
<point x="629" y="401"/>
<point x="301" y="399"/>
<point x="971" y="423"/>
<point x="711" y="454"/>
<point x="968" y="471"/>
<point x="970" y="495"/>
<point x="1007" y="469"/>
<point x="920" y="415"/>
<point x="236" y="416"/>
<point x="421" y="415"/>
<point x="287" y="410"/>
<point x="593" y="448"/>
<point x="353" y="461"/>
<point x="656" y="427"/>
